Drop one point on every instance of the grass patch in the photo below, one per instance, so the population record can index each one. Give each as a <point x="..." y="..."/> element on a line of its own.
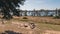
<point x="25" y="20"/>
<point x="56" y="17"/>
<point x="48" y="26"/>
<point x="50" y="23"/>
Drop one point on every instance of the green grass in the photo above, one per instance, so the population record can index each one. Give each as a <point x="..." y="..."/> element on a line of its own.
<point x="48" y="26"/>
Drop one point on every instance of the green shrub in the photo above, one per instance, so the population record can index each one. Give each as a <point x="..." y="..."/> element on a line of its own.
<point x="56" y="17"/>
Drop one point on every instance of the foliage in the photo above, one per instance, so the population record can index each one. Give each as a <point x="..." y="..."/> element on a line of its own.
<point x="56" y="17"/>
<point x="8" y="6"/>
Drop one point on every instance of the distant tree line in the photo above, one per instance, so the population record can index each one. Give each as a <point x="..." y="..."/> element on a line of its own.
<point x="34" y="12"/>
<point x="41" y="12"/>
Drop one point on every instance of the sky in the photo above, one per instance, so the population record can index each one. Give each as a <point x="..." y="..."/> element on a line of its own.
<point x="40" y="4"/>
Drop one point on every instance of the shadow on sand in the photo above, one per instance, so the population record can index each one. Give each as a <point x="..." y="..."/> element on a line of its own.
<point x="10" y="32"/>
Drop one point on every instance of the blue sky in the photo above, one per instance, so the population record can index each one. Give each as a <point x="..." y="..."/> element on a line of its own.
<point x="40" y="4"/>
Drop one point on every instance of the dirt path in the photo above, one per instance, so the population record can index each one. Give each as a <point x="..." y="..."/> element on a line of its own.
<point x="20" y="27"/>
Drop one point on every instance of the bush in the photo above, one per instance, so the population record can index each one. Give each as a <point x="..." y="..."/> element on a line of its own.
<point x="25" y="18"/>
<point x="56" y="17"/>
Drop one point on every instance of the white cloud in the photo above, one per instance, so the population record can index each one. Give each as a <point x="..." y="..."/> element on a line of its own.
<point x="39" y="4"/>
